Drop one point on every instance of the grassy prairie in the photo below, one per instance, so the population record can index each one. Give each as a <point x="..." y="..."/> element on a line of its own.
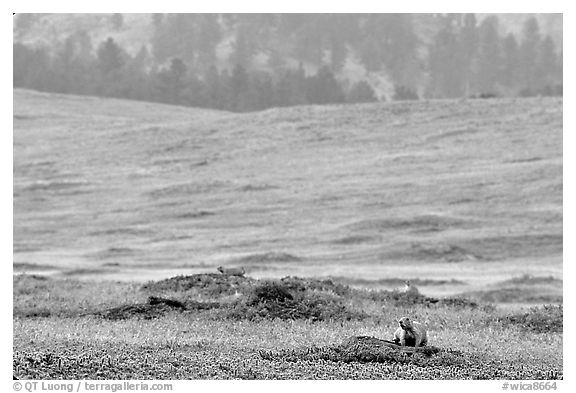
<point x="70" y="329"/>
<point x="464" y="198"/>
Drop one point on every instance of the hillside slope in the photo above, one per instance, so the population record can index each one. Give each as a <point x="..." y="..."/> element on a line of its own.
<point x="111" y="188"/>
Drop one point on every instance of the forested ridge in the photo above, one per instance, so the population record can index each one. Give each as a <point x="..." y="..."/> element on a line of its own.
<point x="247" y="62"/>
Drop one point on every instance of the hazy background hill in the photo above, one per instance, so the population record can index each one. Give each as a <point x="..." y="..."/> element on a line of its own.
<point x="443" y="190"/>
<point x="244" y="62"/>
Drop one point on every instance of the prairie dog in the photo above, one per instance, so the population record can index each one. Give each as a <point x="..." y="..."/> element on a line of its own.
<point x="232" y="271"/>
<point x="410" y="289"/>
<point x="410" y="333"/>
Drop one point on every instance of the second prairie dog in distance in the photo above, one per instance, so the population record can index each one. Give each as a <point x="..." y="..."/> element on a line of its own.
<point x="232" y="271"/>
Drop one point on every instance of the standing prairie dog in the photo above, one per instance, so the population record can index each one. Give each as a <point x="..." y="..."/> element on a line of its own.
<point x="232" y="271"/>
<point x="410" y="289"/>
<point x="410" y="333"/>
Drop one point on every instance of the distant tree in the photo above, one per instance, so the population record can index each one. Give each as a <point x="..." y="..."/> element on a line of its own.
<point x="361" y="92"/>
<point x="193" y="91"/>
<point x="208" y="37"/>
<point x="446" y="62"/>
<point x="157" y="20"/>
<point x="323" y="88"/>
<point x="489" y="56"/>
<point x="510" y="62"/>
<point x="137" y="76"/>
<point x="244" y="48"/>
<point x="401" y="49"/>
<point x="111" y="59"/>
<point x="174" y="36"/>
<point x="117" y="21"/>
<point x="160" y="38"/>
<point x="276" y="61"/>
<point x="242" y="96"/>
<point x="389" y="41"/>
<point x="560" y="67"/>
<point x="291" y="88"/>
<point x="338" y="30"/>
<point x="547" y="62"/>
<point x="530" y="76"/>
<point x="308" y="38"/>
<point x="73" y="65"/>
<point x="403" y="93"/>
<point x="264" y="87"/>
<point x="23" y="22"/>
<point x="370" y="45"/>
<point x="469" y="51"/>
<point x="173" y="81"/>
<point x="32" y="68"/>
<point x="214" y="89"/>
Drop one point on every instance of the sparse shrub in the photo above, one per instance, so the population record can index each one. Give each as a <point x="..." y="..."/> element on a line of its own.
<point x="545" y="319"/>
<point x="269" y="292"/>
<point x="272" y="300"/>
<point x="302" y="284"/>
<point x="458" y="302"/>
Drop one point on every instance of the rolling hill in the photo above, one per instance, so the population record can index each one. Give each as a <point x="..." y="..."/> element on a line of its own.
<point x="114" y="189"/>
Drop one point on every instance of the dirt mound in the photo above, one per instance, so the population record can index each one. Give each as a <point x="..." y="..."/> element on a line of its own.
<point x="361" y="349"/>
<point x="273" y="299"/>
<point x="428" y="363"/>
<point x="208" y="284"/>
<point x="155" y="307"/>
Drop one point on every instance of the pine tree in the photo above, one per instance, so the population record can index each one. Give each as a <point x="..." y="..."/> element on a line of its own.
<point x="111" y="59"/>
<point x="137" y="75"/>
<point x="530" y="77"/>
<point x="110" y="56"/>
<point x="117" y="21"/>
<point x="446" y="62"/>
<point x="32" y="68"/>
<point x="547" y="62"/>
<point x="469" y="51"/>
<point x="323" y="88"/>
<point x="214" y="89"/>
<point x="489" y="56"/>
<point x="239" y="87"/>
<point x="511" y="61"/>
<point x="208" y="37"/>
<point x="400" y="45"/>
<point x="291" y="89"/>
